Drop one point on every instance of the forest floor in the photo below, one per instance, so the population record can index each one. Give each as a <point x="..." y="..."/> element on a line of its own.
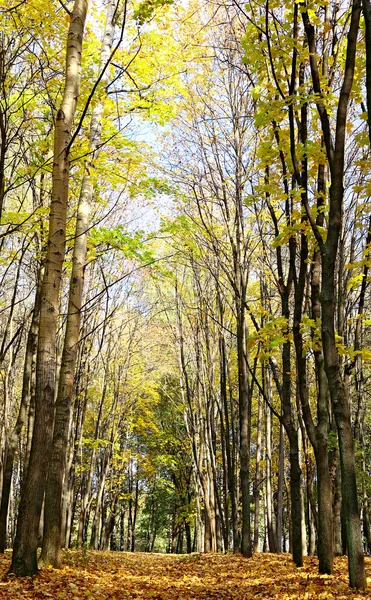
<point x="122" y="576"/>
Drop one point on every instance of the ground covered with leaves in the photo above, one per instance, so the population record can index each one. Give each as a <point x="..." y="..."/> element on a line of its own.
<point x="119" y="576"/>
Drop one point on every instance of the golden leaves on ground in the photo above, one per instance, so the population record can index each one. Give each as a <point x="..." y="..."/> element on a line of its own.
<point x="120" y="576"/>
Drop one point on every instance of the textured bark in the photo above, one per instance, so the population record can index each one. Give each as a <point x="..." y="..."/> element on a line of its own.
<point x="329" y="250"/>
<point x="317" y="434"/>
<point x="243" y="395"/>
<point x="104" y="471"/>
<point x="228" y="474"/>
<point x="301" y="433"/>
<point x="240" y="268"/>
<point x="96" y="524"/>
<point x="272" y="540"/>
<point x="199" y="526"/>
<point x="107" y="537"/>
<point x="76" y="449"/>
<point x="208" y="386"/>
<point x="134" y="513"/>
<point x="312" y="515"/>
<point x="367" y="16"/>
<point x="86" y="496"/>
<point x="199" y="422"/>
<point x="281" y="468"/>
<point x="292" y="434"/>
<point x="257" y="484"/>
<point x="285" y="390"/>
<point x="51" y="548"/>
<point x="338" y="545"/>
<point x="325" y="502"/>
<point x="366" y="523"/>
<point x="9" y="348"/>
<point x="22" y="414"/>
<point x="24" y="559"/>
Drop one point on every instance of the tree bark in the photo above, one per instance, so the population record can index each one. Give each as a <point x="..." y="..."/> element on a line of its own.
<point x="24" y="559"/>
<point x="22" y="414"/>
<point x="258" y="475"/>
<point x="281" y="467"/>
<point x="51" y="549"/>
<point x="243" y="402"/>
<point x="269" y="495"/>
<point x="329" y="250"/>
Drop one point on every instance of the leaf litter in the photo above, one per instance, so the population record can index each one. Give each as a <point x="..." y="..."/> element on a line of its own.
<point x="141" y="576"/>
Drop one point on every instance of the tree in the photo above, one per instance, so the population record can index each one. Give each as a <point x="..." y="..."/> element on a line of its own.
<point x="54" y="490"/>
<point x="24" y="559"/>
<point x="335" y="150"/>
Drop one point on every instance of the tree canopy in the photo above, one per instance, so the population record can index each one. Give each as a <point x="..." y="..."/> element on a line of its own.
<point x="185" y="233"/>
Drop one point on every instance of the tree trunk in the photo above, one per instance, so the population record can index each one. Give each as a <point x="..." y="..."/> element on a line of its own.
<point x="14" y="438"/>
<point x="281" y="467"/>
<point x="302" y="501"/>
<point x="329" y="250"/>
<point x="109" y="525"/>
<point x="95" y="533"/>
<point x="292" y="434"/>
<point x="338" y="546"/>
<point x="51" y="549"/>
<point x="24" y="559"/>
<point x="271" y="529"/>
<point x="258" y="475"/>
<point x="243" y="402"/>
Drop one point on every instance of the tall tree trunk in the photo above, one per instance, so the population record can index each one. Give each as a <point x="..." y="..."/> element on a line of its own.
<point x="303" y="522"/>
<point x="338" y="545"/>
<point x="228" y="448"/>
<point x="318" y="435"/>
<point x="22" y="414"/>
<point x="281" y="467"/>
<point x="95" y="533"/>
<point x="135" y="512"/>
<point x="109" y="526"/>
<point x="86" y="498"/>
<point x="258" y="475"/>
<point x="292" y="433"/>
<point x="312" y="527"/>
<point x="199" y="523"/>
<point x="243" y="402"/>
<point x="325" y="515"/>
<point x="24" y="559"/>
<point x="51" y="549"/>
<point x="271" y="529"/>
<point x="329" y="250"/>
<point x="285" y="392"/>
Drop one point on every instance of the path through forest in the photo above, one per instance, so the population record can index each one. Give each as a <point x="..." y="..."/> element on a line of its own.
<point x="139" y="576"/>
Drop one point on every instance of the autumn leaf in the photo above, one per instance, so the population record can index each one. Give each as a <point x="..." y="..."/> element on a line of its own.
<point x="142" y="576"/>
